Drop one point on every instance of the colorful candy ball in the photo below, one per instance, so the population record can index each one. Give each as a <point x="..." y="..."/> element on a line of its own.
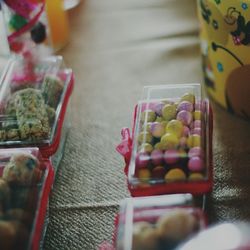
<point x="145" y="137"/>
<point x="158" y="172"/>
<point x="142" y="160"/>
<point x="175" y="127"/>
<point x="144" y="174"/>
<point x="171" y="156"/>
<point x="146" y="147"/>
<point x="157" y="129"/>
<point x="175" y="174"/>
<point x="185" y="105"/>
<point x="188" y="97"/>
<point x="195" y="151"/>
<point x="169" y="112"/>
<point x="148" y="115"/>
<point x="194" y="141"/>
<point x="158" y="108"/>
<point x="157" y="157"/>
<point x="195" y="164"/>
<point x="170" y="141"/>
<point x="185" y="117"/>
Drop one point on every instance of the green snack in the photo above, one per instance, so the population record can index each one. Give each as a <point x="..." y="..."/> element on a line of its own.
<point x="52" y="88"/>
<point x="12" y="134"/>
<point x="2" y="135"/>
<point x="31" y="114"/>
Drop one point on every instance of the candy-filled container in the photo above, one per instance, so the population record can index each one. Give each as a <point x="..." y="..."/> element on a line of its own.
<point x="25" y="182"/>
<point x="33" y="103"/>
<point x="171" y="146"/>
<point x="155" y="223"/>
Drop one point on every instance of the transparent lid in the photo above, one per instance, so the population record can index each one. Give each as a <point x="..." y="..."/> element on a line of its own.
<point x="170" y="140"/>
<point x="159" y="222"/>
<point x="22" y="176"/>
<point x="31" y="97"/>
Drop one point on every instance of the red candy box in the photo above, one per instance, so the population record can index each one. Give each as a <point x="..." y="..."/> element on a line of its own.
<point x="170" y="150"/>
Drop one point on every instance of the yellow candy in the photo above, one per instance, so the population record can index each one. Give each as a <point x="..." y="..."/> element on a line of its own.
<point x="197" y="115"/>
<point x="146" y="127"/>
<point x="170" y="141"/>
<point x="169" y="112"/>
<point x="164" y="123"/>
<point x="146" y="147"/>
<point x="148" y="116"/>
<point x="175" y="174"/>
<point x="145" y="137"/>
<point x="188" y="97"/>
<point x="159" y="119"/>
<point x="196" y="177"/>
<point x="194" y="141"/>
<point x="144" y="174"/>
<point x="159" y="146"/>
<point x="175" y="127"/>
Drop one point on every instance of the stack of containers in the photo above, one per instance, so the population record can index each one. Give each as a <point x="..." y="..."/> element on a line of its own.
<point x="169" y="152"/>
<point x="33" y="104"/>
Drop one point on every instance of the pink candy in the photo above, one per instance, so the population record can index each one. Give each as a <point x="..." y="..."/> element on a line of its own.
<point x="195" y="164"/>
<point x="185" y="105"/>
<point x="171" y="156"/>
<point x="142" y="159"/>
<point x="157" y="157"/>
<point x="185" y="117"/>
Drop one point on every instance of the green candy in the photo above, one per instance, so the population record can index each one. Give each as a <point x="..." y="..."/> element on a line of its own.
<point x="146" y="147"/>
<point x="148" y="116"/>
<point x="17" y="22"/>
<point x="145" y="137"/>
<point x="169" y="112"/>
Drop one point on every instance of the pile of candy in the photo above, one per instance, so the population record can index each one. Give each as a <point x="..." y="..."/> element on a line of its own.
<point x="169" y="142"/>
<point x="19" y="193"/>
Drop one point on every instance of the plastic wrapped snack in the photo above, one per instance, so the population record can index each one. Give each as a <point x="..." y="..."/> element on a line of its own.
<point x="25" y="182"/>
<point x="155" y="223"/>
<point x="33" y="101"/>
<point x="171" y="146"/>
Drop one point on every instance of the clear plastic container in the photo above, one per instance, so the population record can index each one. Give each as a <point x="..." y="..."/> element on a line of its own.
<point x="33" y="103"/>
<point x="25" y="183"/>
<point x="160" y="222"/>
<point x="171" y="146"/>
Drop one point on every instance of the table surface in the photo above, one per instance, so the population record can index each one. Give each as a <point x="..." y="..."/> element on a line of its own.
<point x="116" y="48"/>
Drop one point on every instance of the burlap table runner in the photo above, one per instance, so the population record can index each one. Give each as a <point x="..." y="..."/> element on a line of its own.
<point x="116" y="48"/>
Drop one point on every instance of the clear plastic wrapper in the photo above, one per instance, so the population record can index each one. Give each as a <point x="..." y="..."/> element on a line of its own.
<point x="171" y="146"/>
<point x="33" y="102"/>
<point x="25" y="182"/>
<point x="160" y="222"/>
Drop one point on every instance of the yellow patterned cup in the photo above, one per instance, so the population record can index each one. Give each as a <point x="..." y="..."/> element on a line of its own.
<point x="225" y="47"/>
